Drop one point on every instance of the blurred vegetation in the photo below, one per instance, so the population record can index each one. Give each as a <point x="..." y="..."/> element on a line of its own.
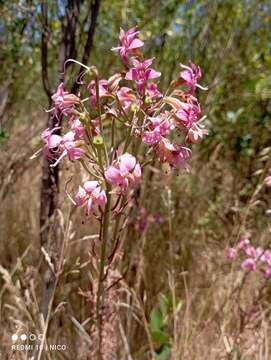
<point x="231" y="42"/>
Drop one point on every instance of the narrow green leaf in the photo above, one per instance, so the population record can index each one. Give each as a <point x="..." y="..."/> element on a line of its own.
<point x="160" y="337"/>
<point x="156" y="320"/>
<point x="163" y="302"/>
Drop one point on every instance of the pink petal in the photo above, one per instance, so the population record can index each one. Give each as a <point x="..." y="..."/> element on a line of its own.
<point x="74" y="153"/>
<point x="101" y="199"/>
<point x="131" y="75"/>
<point x="249" y="265"/>
<point x="136" y="63"/>
<point x="54" y="141"/>
<point x="127" y="163"/>
<point x="89" y="186"/>
<point x="137" y="172"/>
<point x="89" y="206"/>
<point x="69" y="136"/>
<point x="187" y="76"/>
<point x="148" y="62"/>
<point x="231" y="253"/>
<point x="151" y="137"/>
<point x="113" y="176"/>
<point x="80" y="196"/>
<point x="136" y="43"/>
<point x="152" y="74"/>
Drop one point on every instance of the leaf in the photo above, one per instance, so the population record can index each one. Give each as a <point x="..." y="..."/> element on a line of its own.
<point x="236" y="355"/>
<point x="160" y="337"/>
<point x="3" y="135"/>
<point x="163" y="302"/>
<point x="165" y="354"/>
<point x="156" y="320"/>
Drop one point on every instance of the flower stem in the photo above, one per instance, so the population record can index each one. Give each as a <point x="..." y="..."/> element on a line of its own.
<point x="100" y="291"/>
<point x="100" y="118"/>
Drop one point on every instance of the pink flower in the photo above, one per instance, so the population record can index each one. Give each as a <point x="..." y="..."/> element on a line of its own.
<point x="141" y="220"/>
<point x="175" y="155"/>
<point x="151" y="137"/>
<point x="90" y="194"/>
<point x="126" y="98"/>
<point x="77" y="127"/>
<point x="190" y="76"/>
<point x="152" y="91"/>
<point x="51" y="143"/>
<point x="124" y="171"/>
<point x="251" y="251"/>
<point x="157" y="219"/>
<point x="259" y="252"/>
<point x="141" y="73"/>
<point x="64" y="101"/>
<point x="158" y="126"/>
<point x="266" y="257"/>
<point x="267" y="181"/>
<point x="195" y="133"/>
<point x="57" y="146"/>
<point x="267" y="272"/>
<point x="188" y="114"/>
<point x="102" y="91"/>
<point x="113" y="176"/>
<point x="249" y="265"/>
<point x="231" y="253"/>
<point x="113" y="82"/>
<point x="72" y="151"/>
<point x="243" y="243"/>
<point x="128" y="43"/>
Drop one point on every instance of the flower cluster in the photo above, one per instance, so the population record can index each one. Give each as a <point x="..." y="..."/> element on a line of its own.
<point x="252" y="258"/>
<point x="130" y="112"/>
<point x="123" y="171"/>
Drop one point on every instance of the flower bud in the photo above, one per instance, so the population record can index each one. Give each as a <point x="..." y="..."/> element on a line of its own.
<point x="98" y="140"/>
<point x="83" y="118"/>
<point x="93" y="72"/>
<point x="134" y="107"/>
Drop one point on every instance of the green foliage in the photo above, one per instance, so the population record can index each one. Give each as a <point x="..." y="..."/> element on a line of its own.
<point x="164" y="354"/>
<point x="3" y="137"/>
<point x="158" y="319"/>
<point x="160" y="324"/>
<point x="229" y="40"/>
<point x="237" y="355"/>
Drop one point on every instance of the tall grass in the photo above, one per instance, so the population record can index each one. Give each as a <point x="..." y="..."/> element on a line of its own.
<point x="213" y="311"/>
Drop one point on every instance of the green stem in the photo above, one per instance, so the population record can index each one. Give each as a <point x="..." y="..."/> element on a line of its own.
<point x="117" y="223"/>
<point x="112" y="135"/>
<point x="100" y="119"/>
<point x="100" y="160"/>
<point x="88" y="132"/>
<point x="88" y="171"/>
<point x="103" y="252"/>
<point x="128" y="140"/>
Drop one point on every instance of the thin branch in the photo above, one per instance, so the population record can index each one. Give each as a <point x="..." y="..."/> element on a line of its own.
<point x="44" y="49"/>
<point x="89" y="43"/>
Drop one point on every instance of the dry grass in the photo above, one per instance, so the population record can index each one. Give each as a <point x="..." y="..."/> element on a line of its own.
<point x="224" y="315"/>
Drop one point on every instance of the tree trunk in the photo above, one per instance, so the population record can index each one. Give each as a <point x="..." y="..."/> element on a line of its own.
<point x="50" y="234"/>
